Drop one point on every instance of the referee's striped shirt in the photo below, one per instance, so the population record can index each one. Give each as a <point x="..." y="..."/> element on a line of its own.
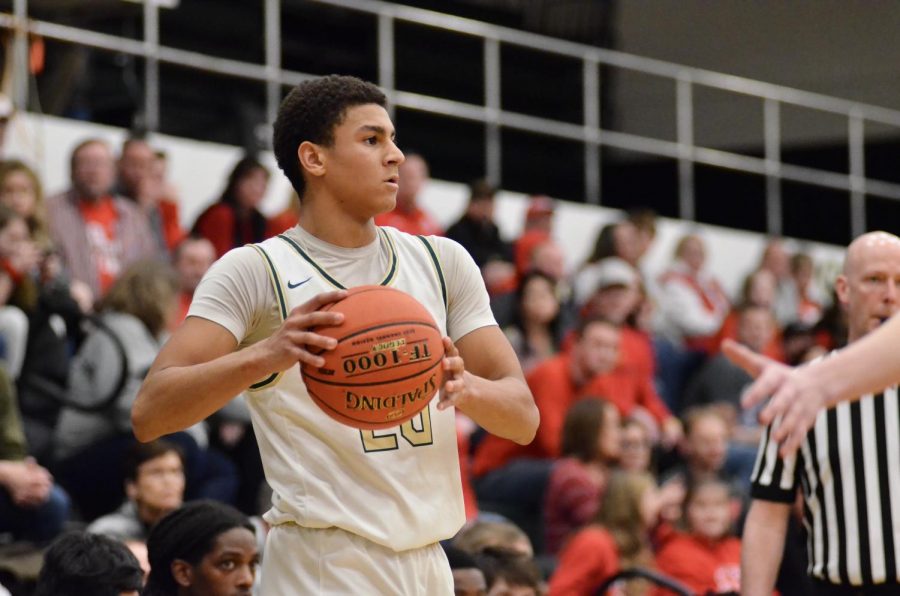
<point x="849" y="470"/>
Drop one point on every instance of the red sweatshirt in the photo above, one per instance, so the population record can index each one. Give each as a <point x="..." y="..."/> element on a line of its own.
<point x="701" y="564"/>
<point x="585" y="562"/>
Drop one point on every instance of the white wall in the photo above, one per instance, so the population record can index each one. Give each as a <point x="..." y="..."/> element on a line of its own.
<point x="199" y="170"/>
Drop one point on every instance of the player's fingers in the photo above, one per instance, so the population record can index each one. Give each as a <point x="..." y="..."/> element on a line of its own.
<point x="309" y="358"/>
<point x="747" y="359"/>
<point x="316" y="318"/>
<point x="779" y="404"/>
<point x="453" y="365"/>
<point x="310" y="339"/>
<point x="790" y="420"/>
<point x="320" y="300"/>
<point x="450" y="348"/>
<point x="792" y="443"/>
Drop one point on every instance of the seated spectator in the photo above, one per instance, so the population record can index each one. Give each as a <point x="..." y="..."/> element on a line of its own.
<point x="618" y="240"/>
<point x="468" y="579"/>
<point x="32" y="507"/>
<point x="535" y="333"/>
<point x="235" y="220"/>
<point x="707" y="557"/>
<point x="95" y="425"/>
<point x="590" y="447"/>
<point x="538" y="229"/>
<point x="799" y="344"/>
<point x="758" y="290"/>
<point x="618" y="539"/>
<point x="511" y="479"/>
<point x="480" y="535"/>
<point x="203" y="548"/>
<point x="81" y="563"/>
<point x="96" y="233"/>
<point x="476" y="230"/>
<point x="407" y="215"/>
<point x="19" y="261"/>
<point x="192" y="259"/>
<point x="21" y="191"/>
<point x="705" y="451"/>
<point x="777" y="260"/>
<point x="154" y="486"/>
<point x="508" y="573"/>
<point x="636" y="450"/>
<point x="142" y="179"/>
<point x="695" y="305"/>
<point x="644" y="222"/>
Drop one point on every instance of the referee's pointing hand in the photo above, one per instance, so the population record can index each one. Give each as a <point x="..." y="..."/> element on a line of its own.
<point x="794" y="396"/>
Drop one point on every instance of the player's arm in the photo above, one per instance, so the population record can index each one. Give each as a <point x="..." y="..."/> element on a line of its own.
<point x="762" y="546"/>
<point x="484" y="380"/>
<point x="200" y="368"/>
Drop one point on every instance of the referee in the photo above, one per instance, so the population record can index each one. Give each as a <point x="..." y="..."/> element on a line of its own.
<point x="848" y="466"/>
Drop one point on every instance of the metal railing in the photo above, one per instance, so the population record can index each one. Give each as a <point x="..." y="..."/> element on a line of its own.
<point x="491" y="113"/>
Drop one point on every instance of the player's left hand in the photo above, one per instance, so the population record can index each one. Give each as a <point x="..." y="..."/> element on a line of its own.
<point x="456" y="387"/>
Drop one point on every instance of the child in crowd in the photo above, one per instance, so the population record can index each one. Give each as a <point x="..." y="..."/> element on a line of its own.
<point x="481" y="535"/>
<point x="636" y="451"/>
<point x="509" y="573"/>
<point x="707" y="557"/>
<point x="590" y="446"/>
<point x="618" y="539"/>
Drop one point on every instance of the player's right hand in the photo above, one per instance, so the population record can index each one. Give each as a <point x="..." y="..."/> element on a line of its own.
<point x="295" y="341"/>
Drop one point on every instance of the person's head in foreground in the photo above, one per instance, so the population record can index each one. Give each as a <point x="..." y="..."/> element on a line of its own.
<point x="203" y="548"/>
<point x="468" y="579"/>
<point x="80" y="563"/>
<point x="509" y="573"/>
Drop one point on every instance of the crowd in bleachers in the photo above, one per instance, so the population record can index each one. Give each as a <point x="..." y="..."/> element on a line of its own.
<point x="642" y="457"/>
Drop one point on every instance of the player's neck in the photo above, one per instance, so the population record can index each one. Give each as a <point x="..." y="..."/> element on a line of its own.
<point x="327" y="222"/>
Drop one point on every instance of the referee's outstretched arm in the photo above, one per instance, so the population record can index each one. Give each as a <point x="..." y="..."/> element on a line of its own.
<point x="762" y="546"/>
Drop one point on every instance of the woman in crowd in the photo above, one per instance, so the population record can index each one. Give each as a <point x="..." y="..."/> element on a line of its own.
<point x="20" y="190"/>
<point x="535" y="333"/>
<point x="204" y="548"/>
<point x="618" y="539"/>
<point x="590" y="447"/>
<point x="235" y="219"/>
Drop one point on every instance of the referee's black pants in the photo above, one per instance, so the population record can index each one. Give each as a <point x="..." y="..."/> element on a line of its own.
<point x="823" y="588"/>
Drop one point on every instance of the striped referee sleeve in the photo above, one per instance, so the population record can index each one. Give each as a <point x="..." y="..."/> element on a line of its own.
<point x="774" y="478"/>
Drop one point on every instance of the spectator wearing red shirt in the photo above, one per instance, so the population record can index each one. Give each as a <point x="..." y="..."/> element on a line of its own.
<point x="538" y="228"/>
<point x="235" y="219"/>
<point x="618" y="539"/>
<point x="192" y="258"/>
<point x="407" y="216"/>
<point x="706" y="558"/>
<point x="590" y="446"/>
<point x="511" y="479"/>
<point x="96" y="233"/>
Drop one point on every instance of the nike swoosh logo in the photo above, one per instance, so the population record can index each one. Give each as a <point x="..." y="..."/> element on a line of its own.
<point x="298" y="284"/>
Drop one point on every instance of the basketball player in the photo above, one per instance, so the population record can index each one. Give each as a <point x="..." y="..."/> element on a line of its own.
<point x="353" y="512"/>
<point x="798" y="394"/>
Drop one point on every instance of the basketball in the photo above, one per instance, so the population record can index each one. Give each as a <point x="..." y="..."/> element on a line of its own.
<point x="386" y="366"/>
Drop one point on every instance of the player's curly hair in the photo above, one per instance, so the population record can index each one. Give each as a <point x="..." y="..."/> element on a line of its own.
<point x="310" y="112"/>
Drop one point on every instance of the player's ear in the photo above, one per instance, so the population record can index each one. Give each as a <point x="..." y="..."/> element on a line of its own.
<point x="182" y="573"/>
<point x="312" y="158"/>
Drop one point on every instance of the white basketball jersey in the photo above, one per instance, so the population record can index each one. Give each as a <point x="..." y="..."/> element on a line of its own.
<point x="398" y="487"/>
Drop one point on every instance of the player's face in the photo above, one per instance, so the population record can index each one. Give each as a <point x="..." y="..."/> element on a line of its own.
<point x="362" y="165"/>
<point x="709" y="511"/>
<point x="229" y="568"/>
<point x="870" y="287"/>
